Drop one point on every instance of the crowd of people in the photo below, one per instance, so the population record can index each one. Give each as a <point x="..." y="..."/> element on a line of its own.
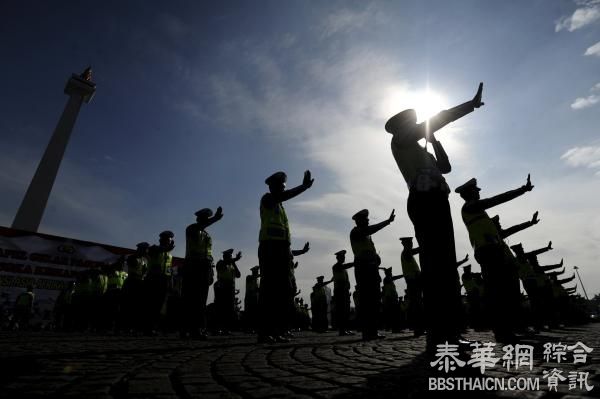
<point x="141" y="294"/>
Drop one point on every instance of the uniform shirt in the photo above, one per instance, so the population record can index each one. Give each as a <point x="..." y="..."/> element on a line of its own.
<point x="340" y="278"/>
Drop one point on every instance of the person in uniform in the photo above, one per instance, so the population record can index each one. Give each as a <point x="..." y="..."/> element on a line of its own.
<point x="318" y="305"/>
<point x="133" y="288"/>
<point x="429" y="211"/>
<point x="197" y="274"/>
<point x="275" y="257"/>
<point x="63" y="308"/>
<point x="366" y="272"/>
<point x="474" y="289"/>
<point x="489" y="252"/>
<point x="341" y="292"/>
<point x="24" y="309"/>
<point x="158" y="278"/>
<point x="227" y="272"/>
<point x="115" y="279"/>
<point x="251" y="298"/>
<point x="391" y="308"/>
<point x="414" y="286"/>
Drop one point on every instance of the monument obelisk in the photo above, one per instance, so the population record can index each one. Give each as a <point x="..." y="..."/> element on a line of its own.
<point x="80" y="89"/>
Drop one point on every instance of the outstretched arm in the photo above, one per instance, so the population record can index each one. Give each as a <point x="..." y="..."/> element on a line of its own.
<point x="307" y="182"/>
<point x="394" y="278"/>
<point x="374" y="228"/>
<point x="518" y="227"/>
<point x="348" y="265"/>
<point x="486" y="203"/>
<point x="463" y="261"/>
<point x="302" y="251"/>
<point x="540" y="251"/>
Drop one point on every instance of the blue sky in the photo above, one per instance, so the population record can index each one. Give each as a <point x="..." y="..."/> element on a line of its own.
<point x="197" y="102"/>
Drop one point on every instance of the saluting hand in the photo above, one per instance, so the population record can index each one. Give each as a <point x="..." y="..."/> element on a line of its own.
<point x="306" y="247"/>
<point x="528" y="186"/>
<point x="476" y="101"/>
<point x="219" y="213"/>
<point x="550" y="245"/>
<point x="308" y="181"/>
<point x="238" y="256"/>
<point x="392" y="216"/>
<point x="534" y="219"/>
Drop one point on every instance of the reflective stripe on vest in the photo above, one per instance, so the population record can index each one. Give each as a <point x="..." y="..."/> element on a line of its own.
<point x="482" y="230"/>
<point x="199" y="245"/>
<point x="410" y="267"/>
<point x="116" y="280"/>
<point x="160" y="263"/>
<point x="273" y="224"/>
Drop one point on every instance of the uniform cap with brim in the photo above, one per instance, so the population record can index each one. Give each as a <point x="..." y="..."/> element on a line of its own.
<point x="228" y="251"/>
<point x="361" y="214"/>
<point x="143" y="244"/>
<point x="399" y="119"/>
<point x="406" y="239"/>
<point x="253" y="268"/>
<point x="496" y="219"/>
<point x="387" y="269"/>
<point x="275" y="178"/>
<point x="320" y="278"/>
<point x="339" y="253"/>
<point x="472" y="183"/>
<point x="167" y="233"/>
<point x="204" y="213"/>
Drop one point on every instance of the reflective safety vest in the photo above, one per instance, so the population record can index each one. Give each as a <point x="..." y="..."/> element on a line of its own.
<point x="340" y="279"/>
<point x="136" y="267"/>
<point x="482" y="230"/>
<point x="116" y="280"/>
<point x="160" y="263"/>
<point x="410" y="267"/>
<point x="389" y="290"/>
<point x="98" y="284"/>
<point x="273" y="224"/>
<point x="363" y="248"/>
<point x="418" y="167"/>
<point x="225" y="273"/>
<point x="198" y="245"/>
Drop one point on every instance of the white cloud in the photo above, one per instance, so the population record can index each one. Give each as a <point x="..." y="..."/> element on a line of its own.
<point x="587" y="13"/>
<point x="593" y="50"/>
<point x="345" y="20"/>
<point x="585" y="102"/>
<point x="587" y="156"/>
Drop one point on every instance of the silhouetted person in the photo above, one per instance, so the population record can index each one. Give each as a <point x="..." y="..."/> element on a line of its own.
<point x="512" y="286"/>
<point x="275" y="255"/>
<point x="341" y="292"/>
<point x="197" y="273"/>
<point x="414" y="286"/>
<point x="488" y="246"/>
<point x="319" y="305"/>
<point x="389" y="297"/>
<point x="133" y="288"/>
<point x="429" y="211"/>
<point x="366" y="272"/>
<point x="23" y="309"/>
<point x="63" y="308"/>
<point x="158" y="278"/>
<point x="290" y="313"/>
<point x="474" y="289"/>
<point x="251" y="298"/>
<point x="227" y="272"/>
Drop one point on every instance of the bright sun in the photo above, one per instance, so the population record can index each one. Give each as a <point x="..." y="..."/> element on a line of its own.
<point x="427" y="103"/>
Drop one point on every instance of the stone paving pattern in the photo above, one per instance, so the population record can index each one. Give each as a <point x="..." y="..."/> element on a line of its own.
<point x="62" y="365"/>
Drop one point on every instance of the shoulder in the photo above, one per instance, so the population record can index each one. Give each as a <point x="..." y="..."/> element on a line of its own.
<point x="267" y="200"/>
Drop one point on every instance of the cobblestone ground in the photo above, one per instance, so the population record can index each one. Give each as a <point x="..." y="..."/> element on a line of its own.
<point x="312" y="366"/>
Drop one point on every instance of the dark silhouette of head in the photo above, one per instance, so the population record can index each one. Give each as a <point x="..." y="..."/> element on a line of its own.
<point x="361" y="218"/>
<point x="165" y="239"/>
<point x="276" y="182"/>
<point x="401" y="120"/>
<point x="203" y="215"/>
<point x="340" y="256"/>
<point x="227" y="254"/>
<point x="469" y="191"/>
<point x="407" y="242"/>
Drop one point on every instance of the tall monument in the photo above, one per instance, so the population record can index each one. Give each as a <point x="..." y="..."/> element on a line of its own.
<point x="79" y="88"/>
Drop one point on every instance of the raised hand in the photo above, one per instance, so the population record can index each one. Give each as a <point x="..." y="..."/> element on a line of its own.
<point x="534" y="219"/>
<point x="476" y="101"/>
<point x="528" y="186"/>
<point x="550" y="245"/>
<point x="218" y="213"/>
<point x="306" y="247"/>
<point x="238" y="256"/>
<point x="307" y="181"/>
<point x="392" y="216"/>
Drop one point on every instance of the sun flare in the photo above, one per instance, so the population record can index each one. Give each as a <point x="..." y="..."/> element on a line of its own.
<point x="427" y="103"/>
